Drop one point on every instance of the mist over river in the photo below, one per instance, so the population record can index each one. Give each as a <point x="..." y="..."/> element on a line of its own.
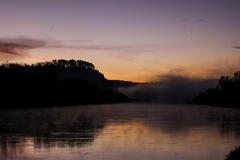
<point x="119" y="132"/>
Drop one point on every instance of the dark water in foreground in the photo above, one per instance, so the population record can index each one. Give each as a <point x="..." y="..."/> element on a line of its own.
<point x="119" y="132"/>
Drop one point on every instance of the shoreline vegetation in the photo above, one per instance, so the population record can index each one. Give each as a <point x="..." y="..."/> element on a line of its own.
<point x="57" y="83"/>
<point x="225" y="94"/>
<point x="234" y="154"/>
<point x="74" y="82"/>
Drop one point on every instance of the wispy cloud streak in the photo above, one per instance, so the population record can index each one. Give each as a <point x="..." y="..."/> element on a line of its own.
<point x="236" y="47"/>
<point x="17" y="46"/>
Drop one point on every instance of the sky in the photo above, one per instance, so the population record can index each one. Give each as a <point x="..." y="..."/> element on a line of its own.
<point x="135" y="40"/>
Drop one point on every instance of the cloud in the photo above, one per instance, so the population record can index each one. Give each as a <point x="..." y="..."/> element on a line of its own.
<point x="201" y="20"/>
<point x="17" y="46"/>
<point x="89" y="47"/>
<point x="77" y="41"/>
<point x="169" y="89"/>
<point x="84" y="45"/>
<point x="14" y="48"/>
<point x="236" y="47"/>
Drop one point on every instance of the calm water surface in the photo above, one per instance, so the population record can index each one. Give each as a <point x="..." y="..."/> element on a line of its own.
<point x="119" y="132"/>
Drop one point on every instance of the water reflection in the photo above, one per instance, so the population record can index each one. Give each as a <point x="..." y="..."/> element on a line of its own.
<point x="123" y="131"/>
<point x="47" y="128"/>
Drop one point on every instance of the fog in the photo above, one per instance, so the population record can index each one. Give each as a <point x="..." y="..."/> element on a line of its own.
<point x="169" y="89"/>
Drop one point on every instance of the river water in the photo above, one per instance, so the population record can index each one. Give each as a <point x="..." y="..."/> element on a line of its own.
<point x="119" y="132"/>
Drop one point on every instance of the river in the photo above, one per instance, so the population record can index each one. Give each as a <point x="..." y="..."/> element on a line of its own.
<point x="119" y="132"/>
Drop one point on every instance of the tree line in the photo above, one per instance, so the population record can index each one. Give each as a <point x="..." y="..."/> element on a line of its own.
<point x="55" y="83"/>
<point x="226" y="93"/>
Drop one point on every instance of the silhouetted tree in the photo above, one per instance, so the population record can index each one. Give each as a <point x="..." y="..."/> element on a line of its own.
<point x="234" y="154"/>
<point x="59" y="82"/>
<point x="226" y="93"/>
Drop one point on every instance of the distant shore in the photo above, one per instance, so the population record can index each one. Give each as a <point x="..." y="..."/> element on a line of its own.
<point x="57" y="83"/>
<point x="225" y="94"/>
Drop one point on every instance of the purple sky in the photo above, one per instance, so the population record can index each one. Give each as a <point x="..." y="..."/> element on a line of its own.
<point x="128" y="39"/>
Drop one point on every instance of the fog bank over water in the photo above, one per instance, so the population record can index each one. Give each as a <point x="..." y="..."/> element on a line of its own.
<point x="169" y="89"/>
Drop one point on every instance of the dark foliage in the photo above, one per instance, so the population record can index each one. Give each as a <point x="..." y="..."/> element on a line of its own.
<point x="234" y="154"/>
<point x="226" y="93"/>
<point x="55" y="83"/>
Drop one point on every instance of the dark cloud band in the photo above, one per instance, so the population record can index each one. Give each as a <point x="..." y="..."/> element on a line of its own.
<point x="16" y="46"/>
<point x="236" y="47"/>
